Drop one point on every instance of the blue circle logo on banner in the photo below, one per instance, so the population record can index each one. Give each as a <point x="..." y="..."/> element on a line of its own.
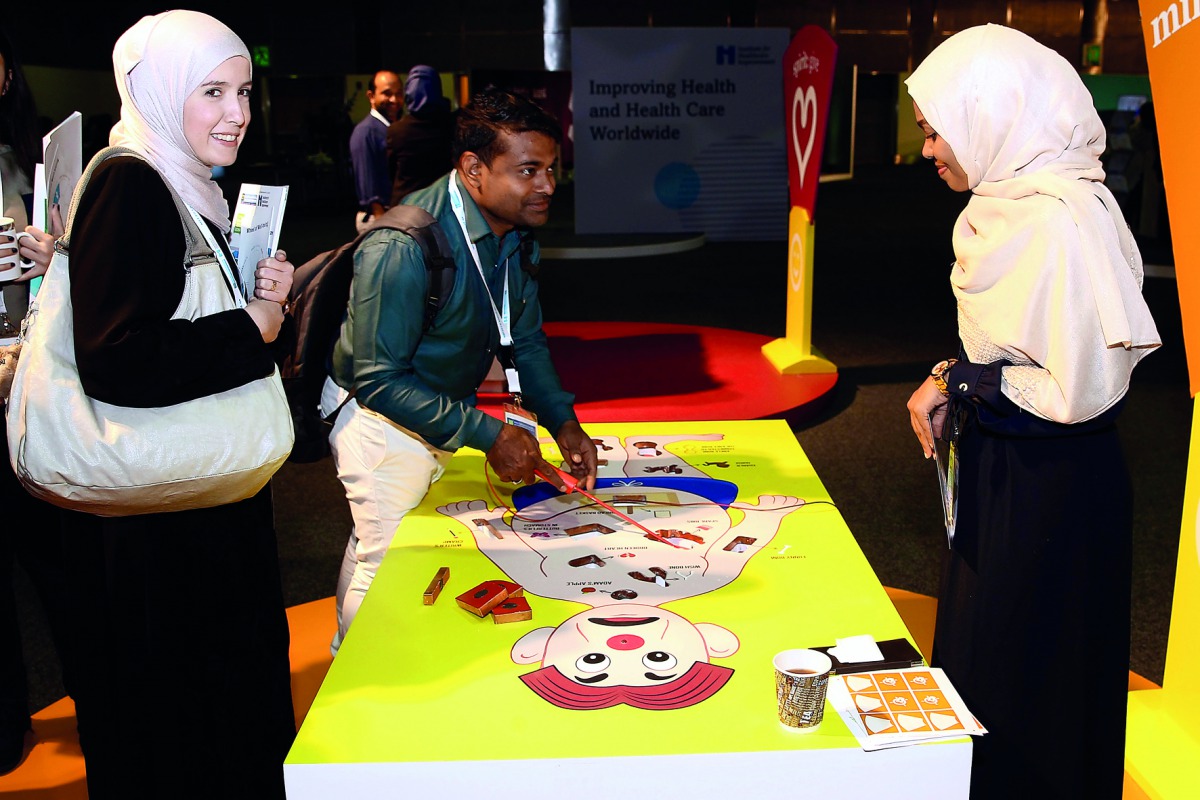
<point x="677" y="185"/>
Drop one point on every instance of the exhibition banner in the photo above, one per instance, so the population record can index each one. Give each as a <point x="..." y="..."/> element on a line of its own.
<point x="1171" y="46"/>
<point x="1164" y="726"/>
<point x="808" y="84"/>
<point x="679" y="130"/>
<point x="1172" y="41"/>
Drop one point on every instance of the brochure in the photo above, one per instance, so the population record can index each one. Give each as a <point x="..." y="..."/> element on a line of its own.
<point x="257" y="218"/>
<point x="62" y="157"/>
<point x="946" y="455"/>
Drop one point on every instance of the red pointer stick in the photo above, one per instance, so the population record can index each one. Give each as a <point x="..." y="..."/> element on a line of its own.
<point x="572" y="485"/>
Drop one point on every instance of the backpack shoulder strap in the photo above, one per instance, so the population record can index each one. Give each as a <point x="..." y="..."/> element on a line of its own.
<point x="528" y="243"/>
<point x="423" y="227"/>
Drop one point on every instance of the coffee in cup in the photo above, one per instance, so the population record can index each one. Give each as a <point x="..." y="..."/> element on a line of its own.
<point x="801" y="678"/>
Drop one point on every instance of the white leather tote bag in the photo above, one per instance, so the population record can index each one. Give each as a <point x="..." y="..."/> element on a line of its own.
<point x="86" y="455"/>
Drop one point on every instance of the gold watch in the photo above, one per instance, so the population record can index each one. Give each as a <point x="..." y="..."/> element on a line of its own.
<point x="939" y="374"/>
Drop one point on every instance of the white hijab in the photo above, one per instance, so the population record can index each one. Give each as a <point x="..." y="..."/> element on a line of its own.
<point x="1056" y="284"/>
<point x="158" y="63"/>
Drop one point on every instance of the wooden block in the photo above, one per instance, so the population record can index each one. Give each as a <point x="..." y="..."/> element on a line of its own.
<point x="658" y="575"/>
<point x="440" y="579"/>
<point x="676" y="534"/>
<point x="591" y="560"/>
<point x="514" y="609"/>
<point x="740" y="544"/>
<point x="512" y="589"/>
<point x="586" y="530"/>
<point x="483" y="524"/>
<point x="483" y="598"/>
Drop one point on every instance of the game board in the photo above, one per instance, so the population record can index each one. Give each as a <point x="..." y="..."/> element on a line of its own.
<point x="637" y="646"/>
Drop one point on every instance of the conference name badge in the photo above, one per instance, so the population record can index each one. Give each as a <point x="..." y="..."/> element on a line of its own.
<point x="521" y="417"/>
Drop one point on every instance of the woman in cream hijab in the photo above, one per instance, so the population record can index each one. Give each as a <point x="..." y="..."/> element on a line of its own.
<point x="182" y="634"/>
<point x="1033" y="618"/>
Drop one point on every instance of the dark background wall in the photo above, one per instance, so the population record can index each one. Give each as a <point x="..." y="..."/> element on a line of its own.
<point x="313" y="92"/>
<point x="461" y="35"/>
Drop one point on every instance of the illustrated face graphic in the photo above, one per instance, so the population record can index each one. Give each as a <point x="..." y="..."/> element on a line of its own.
<point x="626" y="645"/>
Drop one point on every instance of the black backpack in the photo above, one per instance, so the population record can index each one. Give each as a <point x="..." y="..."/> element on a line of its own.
<point x="320" y="292"/>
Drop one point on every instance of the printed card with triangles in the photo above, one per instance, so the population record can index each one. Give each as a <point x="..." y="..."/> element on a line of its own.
<point x="902" y="706"/>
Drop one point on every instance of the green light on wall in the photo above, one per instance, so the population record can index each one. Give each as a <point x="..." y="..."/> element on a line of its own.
<point x="261" y="55"/>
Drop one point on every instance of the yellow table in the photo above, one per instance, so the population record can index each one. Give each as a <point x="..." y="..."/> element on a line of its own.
<point x="646" y="666"/>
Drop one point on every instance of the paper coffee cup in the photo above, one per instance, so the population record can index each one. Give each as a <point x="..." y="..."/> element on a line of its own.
<point x="801" y="678"/>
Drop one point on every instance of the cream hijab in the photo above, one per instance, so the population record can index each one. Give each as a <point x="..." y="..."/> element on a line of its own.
<point x="1046" y="266"/>
<point x="158" y="63"/>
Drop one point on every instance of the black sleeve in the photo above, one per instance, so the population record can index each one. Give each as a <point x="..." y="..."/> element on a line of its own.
<point x="127" y="278"/>
<point x="980" y="386"/>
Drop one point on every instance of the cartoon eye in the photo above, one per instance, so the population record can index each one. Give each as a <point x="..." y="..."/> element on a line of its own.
<point x="592" y="662"/>
<point x="658" y="660"/>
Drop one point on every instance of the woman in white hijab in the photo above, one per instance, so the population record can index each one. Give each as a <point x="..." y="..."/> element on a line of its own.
<point x="1033" y="618"/>
<point x="182" y="632"/>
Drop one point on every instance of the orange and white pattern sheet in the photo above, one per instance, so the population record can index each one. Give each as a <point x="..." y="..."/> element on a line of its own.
<point x="895" y="707"/>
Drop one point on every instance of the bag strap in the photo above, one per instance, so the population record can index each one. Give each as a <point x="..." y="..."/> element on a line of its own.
<point x="196" y="249"/>
<point x="439" y="269"/>
<point x="423" y="227"/>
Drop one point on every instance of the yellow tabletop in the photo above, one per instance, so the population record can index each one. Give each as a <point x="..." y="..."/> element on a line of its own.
<point x="636" y="648"/>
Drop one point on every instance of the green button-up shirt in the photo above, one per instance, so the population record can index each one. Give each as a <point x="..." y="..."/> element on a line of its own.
<point x="426" y="381"/>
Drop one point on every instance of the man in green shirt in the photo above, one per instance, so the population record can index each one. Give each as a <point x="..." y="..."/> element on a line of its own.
<point x="414" y="401"/>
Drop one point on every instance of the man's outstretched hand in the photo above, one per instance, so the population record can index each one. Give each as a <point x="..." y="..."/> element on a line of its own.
<point x="579" y="451"/>
<point x="515" y="456"/>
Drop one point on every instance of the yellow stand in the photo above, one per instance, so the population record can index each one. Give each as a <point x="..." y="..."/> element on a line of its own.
<point x="1162" y="742"/>
<point x="794" y="354"/>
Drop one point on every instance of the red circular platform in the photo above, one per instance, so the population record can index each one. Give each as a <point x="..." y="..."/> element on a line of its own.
<point x="639" y="371"/>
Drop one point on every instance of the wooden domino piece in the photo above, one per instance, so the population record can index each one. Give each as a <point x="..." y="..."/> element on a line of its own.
<point x="511" y="589"/>
<point x="514" y="609"/>
<point x="483" y="598"/>
<point x="440" y="579"/>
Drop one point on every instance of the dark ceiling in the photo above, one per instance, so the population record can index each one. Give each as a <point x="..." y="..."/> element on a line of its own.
<point x="460" y="35"/>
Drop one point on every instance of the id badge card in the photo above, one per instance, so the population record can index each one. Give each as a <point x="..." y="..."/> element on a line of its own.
<point x="521" y="417"/>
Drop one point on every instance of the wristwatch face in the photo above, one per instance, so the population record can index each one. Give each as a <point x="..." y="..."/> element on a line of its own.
<point x="941" y="367"/>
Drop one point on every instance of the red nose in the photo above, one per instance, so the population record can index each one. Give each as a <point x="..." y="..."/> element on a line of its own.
<point x="626" y="641"/>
